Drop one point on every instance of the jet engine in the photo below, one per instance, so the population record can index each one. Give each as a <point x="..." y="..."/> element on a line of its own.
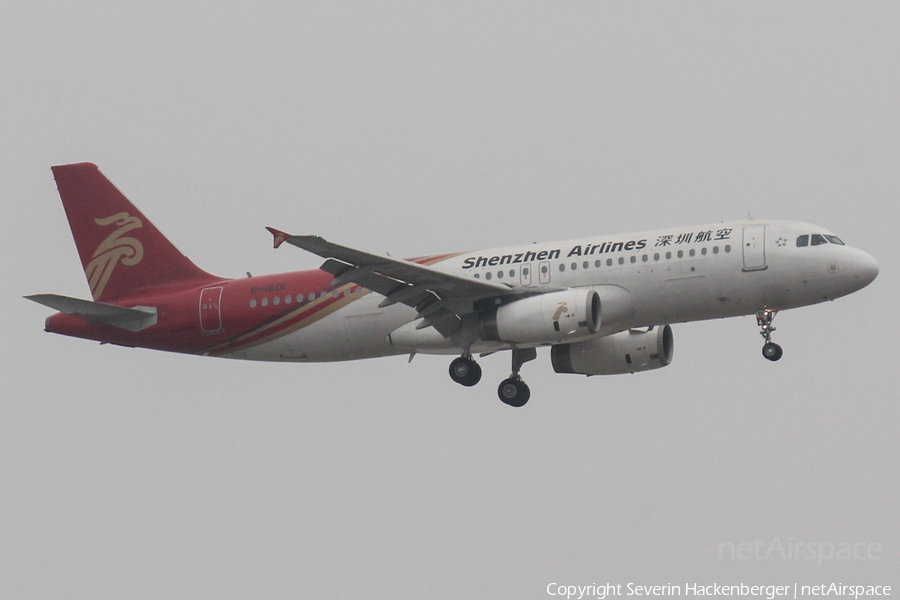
<point x="553" y="317"/>
<point x="624" y="352"/>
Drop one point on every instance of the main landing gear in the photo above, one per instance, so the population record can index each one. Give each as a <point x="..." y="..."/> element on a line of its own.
<point x="770" y="350"/>
<point x="512" y="391"/>
<point x="465" y="371"/>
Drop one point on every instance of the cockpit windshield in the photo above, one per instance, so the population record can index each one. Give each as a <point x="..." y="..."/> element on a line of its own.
<point x="817" y="239"/>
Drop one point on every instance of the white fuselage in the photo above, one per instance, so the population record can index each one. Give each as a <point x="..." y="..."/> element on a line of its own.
<point x="660" y="277"/>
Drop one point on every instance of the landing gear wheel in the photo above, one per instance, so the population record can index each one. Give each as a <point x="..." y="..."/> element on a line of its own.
<point x="764" y="318"/>
<point x="772" y="351"/>
<point x="465" y="371"/>
<point x="514" y="392"/>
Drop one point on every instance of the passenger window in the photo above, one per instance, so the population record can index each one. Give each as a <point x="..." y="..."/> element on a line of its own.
<point x="499" y="274"/>
<point x="299" y="297"/>
<point x="265" y="301"/>
<point x="597" y="263"/>
<point x="276" y="300"/>
<point x="253" y="303"/>
<point x="703" y="251"/>
<point x="656" y="256"/>
<point x="574" y="266"/>
<point x="681" y="254"/>
<point x="586" y="264"/>
<point x="512" y="272"/>
<point x="818" y="240"/>
<point x="487" y="275"/>
<point x="634" y="259"/>
<point x="668" y="255"/>
<point x="715" y="249"/>
<point x="562" y="267"/>
<point x="608" y="262"/>
<point x="834" y="240"/>
<point x="803" y="240"/>
<point x="727" y="248"/>
<point x="621" y="260"/>
<point x="645" y="258"/>
<point x="692" y="252"/>
<point x="477" y="276"/>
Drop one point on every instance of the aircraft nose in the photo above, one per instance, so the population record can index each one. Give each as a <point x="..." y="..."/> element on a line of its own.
<point x="866" y="269"/>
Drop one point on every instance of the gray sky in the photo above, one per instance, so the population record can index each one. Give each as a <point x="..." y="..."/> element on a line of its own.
<point x="417" y="128"/>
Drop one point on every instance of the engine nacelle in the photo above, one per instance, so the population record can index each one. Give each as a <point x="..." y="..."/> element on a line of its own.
<point x="569" y="314"/>
<point x="624" y="352"/>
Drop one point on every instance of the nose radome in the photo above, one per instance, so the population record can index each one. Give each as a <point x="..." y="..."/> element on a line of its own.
<point x="866" y="269"/>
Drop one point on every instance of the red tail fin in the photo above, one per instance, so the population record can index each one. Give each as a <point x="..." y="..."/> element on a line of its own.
<point x="120" y="249"/>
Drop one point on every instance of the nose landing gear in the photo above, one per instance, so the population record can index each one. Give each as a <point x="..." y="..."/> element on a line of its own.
<point x="770" y="350"/>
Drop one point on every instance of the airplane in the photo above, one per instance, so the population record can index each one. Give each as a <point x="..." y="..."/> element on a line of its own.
<point x="603" y="304"/>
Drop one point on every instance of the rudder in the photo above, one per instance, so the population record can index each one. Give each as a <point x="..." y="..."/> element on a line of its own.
<point x="120" y="249"/>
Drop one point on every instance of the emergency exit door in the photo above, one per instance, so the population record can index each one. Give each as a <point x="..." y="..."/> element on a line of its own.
<point x="526" y="274"/>
<point x="544" y="274"/>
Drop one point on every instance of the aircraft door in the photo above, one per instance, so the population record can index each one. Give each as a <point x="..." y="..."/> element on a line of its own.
<point x="754" y="247"/>
<point x="211" y="310"/>
<point x="526" y="274"/>
<point x="544" y="271"/>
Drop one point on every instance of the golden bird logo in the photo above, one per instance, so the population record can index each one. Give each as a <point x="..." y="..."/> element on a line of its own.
<point x="112" y="250"/>
<point x="563" y="308"/>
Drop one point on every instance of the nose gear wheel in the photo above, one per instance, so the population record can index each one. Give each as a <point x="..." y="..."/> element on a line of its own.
<point x="770" y="350"/>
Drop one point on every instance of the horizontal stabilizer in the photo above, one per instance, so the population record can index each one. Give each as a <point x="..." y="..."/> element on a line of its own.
<point x="132" y="319"/>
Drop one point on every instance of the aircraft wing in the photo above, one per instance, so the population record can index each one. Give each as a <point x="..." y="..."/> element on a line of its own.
<point x="440" y="298"/>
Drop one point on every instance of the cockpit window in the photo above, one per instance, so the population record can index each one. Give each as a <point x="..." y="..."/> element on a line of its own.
<point x="834" y="240"/>
<point x="803" y="240"/>
<point x="818" y="239"/>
